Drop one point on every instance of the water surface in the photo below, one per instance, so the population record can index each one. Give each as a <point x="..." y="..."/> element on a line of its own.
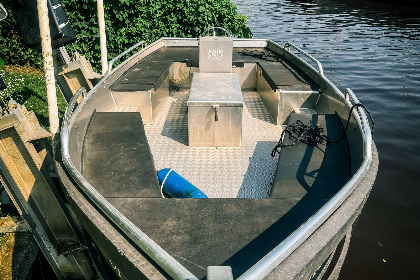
<point x="374" y="49"/>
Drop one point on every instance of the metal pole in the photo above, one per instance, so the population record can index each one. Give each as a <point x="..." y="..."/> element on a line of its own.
<point x="102" y="36"/>
<point x="44" y="29"/>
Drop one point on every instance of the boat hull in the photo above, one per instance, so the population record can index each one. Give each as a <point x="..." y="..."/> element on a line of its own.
<point x="258" y="238"/>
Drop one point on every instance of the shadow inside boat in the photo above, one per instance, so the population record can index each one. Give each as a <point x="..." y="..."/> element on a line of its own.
<point x="258" y="176"/>
<point x="176" y="123"/>
<point x="313" y="188"/>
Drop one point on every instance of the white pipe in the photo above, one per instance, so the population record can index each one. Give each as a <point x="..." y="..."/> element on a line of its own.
<point x="44" y="29"/>
<point x="102" y="36"/>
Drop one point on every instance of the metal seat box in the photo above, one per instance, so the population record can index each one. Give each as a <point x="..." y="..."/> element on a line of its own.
<point x="215" y="110"/>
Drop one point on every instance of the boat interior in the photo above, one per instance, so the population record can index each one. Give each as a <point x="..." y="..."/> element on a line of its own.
<point x="141" y="118"/>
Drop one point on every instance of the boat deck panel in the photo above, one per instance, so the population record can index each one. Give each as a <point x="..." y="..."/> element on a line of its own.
<point x="306" y="171"/>
<point x="117" y="159"/>
<point x="231" y="172"/>
<point x="238" y="234"/>
<point x="284" y="76"/>
<point x="150" y="72"/>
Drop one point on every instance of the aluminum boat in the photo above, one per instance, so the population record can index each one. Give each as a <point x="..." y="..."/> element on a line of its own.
<point x="227" y="116"/>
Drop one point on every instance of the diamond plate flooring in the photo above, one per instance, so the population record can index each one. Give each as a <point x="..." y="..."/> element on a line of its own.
<point x="239" y="172"/>
<point x="125" y="109"/>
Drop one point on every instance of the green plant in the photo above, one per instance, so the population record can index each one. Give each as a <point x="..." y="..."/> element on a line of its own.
<point x="127" y="22"/>
<point x="130" y="21"/>
<point x="12" y="48"/>
<point x="27" y="86"/>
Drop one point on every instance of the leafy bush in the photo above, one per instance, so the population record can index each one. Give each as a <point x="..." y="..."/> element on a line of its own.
<point x="12" y="49"/>
<point x="130" y="21"/>
<point x="127" y="22"/>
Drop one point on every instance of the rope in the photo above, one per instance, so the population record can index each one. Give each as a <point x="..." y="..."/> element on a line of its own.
<point x="163" y="182"/>
<point x="348" y="121"/>
<point x="179" y="80"/>
<point x="311" y="134"/>
<point x="266" y="55"/>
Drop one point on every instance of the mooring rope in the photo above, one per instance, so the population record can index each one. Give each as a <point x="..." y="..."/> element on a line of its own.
<point x="348" y="121"/>
<point x="180" y="79"/>
<point x="311" y="134"/>
<point x="265" y="55"/>
<point x="163" y="182"/>
<point x="307" y="133"/>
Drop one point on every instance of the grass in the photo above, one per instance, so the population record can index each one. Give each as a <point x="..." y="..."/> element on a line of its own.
<point x="26" y="85"/>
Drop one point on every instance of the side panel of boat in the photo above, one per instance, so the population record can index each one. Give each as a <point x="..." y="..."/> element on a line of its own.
<point x="270" y="97"/>
<point x="123" y="258"/>
<point x="309" y="256"/>
<point x="101" y="100"/>
<point x="330" y="101"/>
<point x="247" y="76"/>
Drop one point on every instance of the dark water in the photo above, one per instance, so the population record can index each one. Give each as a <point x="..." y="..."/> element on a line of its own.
<point x="375" y="50"/>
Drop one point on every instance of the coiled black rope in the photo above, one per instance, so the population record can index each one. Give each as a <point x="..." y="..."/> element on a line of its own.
<point x="265" y="55"/>
<point x="307" y="133"/>
<point x="311" y="134"/>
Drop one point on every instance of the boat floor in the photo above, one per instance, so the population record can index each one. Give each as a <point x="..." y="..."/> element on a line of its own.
<point x="239" y="172"/>
<point x="203" y="232"/>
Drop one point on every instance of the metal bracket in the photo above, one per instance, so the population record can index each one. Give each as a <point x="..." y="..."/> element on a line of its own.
<point x="216" y="116"/>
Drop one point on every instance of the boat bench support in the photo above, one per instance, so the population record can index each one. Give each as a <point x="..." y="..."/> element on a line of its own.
<point x="145" y="100"/>
<point x="144" y="88"/>
<point x="282" y="89"/>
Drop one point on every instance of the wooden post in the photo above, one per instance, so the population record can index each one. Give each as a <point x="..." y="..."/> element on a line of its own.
<point x="25" y="166"/>
<point x="44" y="29"/>
<point x="102" y="36"/>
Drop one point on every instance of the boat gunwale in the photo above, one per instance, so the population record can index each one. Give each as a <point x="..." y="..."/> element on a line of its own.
<point x="263" y="267"/>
